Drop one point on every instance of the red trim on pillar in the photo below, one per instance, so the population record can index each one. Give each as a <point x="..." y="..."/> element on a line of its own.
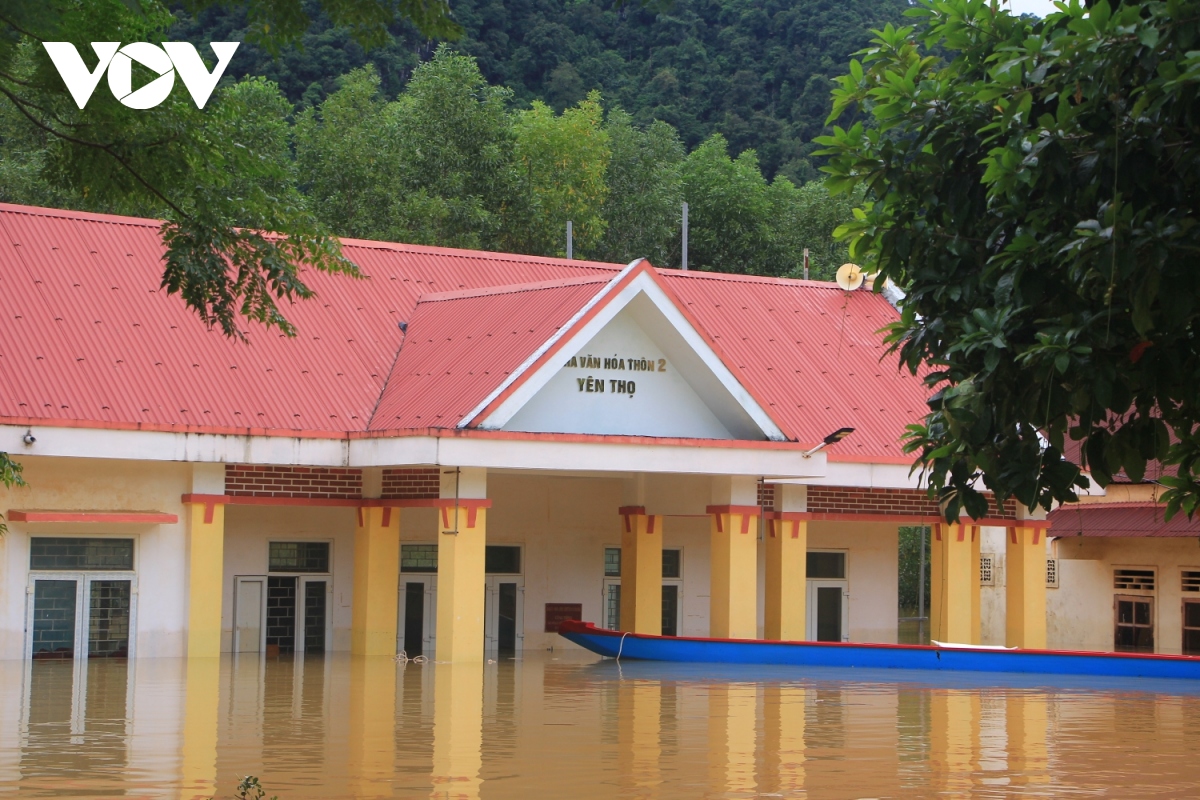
<point x="632" y="510"/>
<point x="720" y="527"/>
<point x="961" y="535"/>
<point x="746" y="522"/>
<point x="937" y="532"/>
<point x="472" y="516"/>
<point x="795" y="529"/>
<point x="771" y="528"/>
<point x="650" y="523"/>
<point x="446" y="517"/>
<point x="1013" y="536"/>
<point x="387" y="516"/>
<point x="361" y="522"/>
<point x="1037" y="534"/>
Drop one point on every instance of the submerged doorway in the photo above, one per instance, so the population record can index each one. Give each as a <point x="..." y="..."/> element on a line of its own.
<point x="282" y="613"/>
<point x="828" y="598"/>
<point x="504" y="606"/>
<point x="80" y="598"/>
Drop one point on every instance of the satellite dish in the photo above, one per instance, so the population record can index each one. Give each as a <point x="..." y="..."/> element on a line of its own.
<point x="850" y="277"/>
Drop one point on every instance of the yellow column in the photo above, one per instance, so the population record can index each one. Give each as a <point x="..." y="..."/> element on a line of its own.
<point x="732" y="731"/>
<point x="1025" y="589"/>
<point x="641" y="571"/>
<point x="462" y="541"/>
<point x="954" y="584"/>
<point x="198" y="760"/>
<point x="1027" y="726"/>
<point x="457" y="728"/>
<point x="953" y="740"/>
<point x="376" y="582"/>
<point x="372" y="729"/>
<point x="783" y="738"/>
<point x="639" y="730"/>
<point x="787" y="566"/>
<point x="206" y="574"/>
<point x="733" y="597"/>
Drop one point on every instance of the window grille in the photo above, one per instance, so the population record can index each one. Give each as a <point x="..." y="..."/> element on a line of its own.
<point x="298" y="557"/>
<point x="418" y="558"/>
<point x="1052" y="573"/>
<point x="73" y="553"/>
<point x="672" y="564"/>
<point x="612" y="562"/>
<point x="1135" y="579"/>
<point x="502" y="559"/>
<point x="987" y="569"/>
<point x="1191" y="581"/>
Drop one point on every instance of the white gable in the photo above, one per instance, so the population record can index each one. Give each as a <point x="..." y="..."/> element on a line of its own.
<point x="637" y="368"/>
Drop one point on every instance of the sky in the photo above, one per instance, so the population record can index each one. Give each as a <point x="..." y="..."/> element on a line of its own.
<point x="1037" y="7"/>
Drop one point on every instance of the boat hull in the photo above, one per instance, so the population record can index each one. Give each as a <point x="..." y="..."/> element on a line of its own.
<point x="876" y="656"/>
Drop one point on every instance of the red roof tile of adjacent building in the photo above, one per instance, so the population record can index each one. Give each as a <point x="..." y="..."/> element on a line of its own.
<point x="1120" y="520"/>
<point x="88" y="337"/>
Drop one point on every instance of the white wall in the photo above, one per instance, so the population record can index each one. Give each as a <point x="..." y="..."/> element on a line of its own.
<point x="250" y="529"/>
<point x="103" y="485"/>
<point x="1080" y="613"/>
<point x="871" y="570"/>
<point x="664" y="404"/>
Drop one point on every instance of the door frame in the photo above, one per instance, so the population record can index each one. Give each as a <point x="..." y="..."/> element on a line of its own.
<point x="83" y="579"/>
<point x="1154" y="628"/>
<point x="238" y="580"/>
<point x="491" y="610"/>
<point x="302" y="598"/>
<point x="810" y="605"/>
<point x="429" y="624"/>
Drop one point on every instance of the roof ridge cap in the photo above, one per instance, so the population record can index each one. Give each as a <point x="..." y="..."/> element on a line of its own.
<point x="512" y="288"/>
<point x="84" y="216"/>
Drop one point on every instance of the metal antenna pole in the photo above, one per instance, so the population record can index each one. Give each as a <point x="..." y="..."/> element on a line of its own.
<point x="570" y="240"/>
<point x="806" y="263"/>
<point x="685" y="234"/>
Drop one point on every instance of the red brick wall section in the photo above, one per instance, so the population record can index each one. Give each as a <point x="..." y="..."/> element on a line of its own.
<point x="246" y="480"/>
<point x="418" y="483"/>
<point x="898" y="502"/>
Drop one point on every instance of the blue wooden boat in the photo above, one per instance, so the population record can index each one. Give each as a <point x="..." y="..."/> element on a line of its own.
<point x="853" y="655"/>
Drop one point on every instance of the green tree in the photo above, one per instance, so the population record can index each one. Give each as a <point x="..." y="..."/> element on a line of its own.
<point x="560" y="162"/>
<point x="347" y="152"/>
<point x="728" y="208"/>
<point x="1033" y="186"/>
<point x="456" y="153"/>
<point x="642" y="212"/>
<point x="805" y="217"/>
<point x="178" y="161"/>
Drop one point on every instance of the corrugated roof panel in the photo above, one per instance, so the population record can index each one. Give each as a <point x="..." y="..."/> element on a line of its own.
<point x="1135" y="520"/>
<point x="87" y="335"/>
<point x="813" y="352"/>
<point x="458" y="349"/>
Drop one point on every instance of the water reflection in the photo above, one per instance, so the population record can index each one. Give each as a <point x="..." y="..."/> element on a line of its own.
<point x="550" y="725"/>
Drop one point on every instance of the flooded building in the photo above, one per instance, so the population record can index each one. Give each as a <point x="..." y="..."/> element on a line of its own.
<point x="457" y="451"/>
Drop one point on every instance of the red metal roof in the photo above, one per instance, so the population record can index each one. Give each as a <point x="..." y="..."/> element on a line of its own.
<point x="461" y="345"/>
<point x="86" y="333"/>
<point x="88" y="338"/>
<point x="1119" y="520"/>
<point x="814" y="354"/>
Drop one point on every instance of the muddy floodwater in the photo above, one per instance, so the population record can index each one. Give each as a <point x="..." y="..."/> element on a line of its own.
<point x="563" y="725"/>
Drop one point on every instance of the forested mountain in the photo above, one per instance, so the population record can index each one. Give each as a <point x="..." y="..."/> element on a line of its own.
<point x="756" y="71"/>
<point x="545" y="112"/>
